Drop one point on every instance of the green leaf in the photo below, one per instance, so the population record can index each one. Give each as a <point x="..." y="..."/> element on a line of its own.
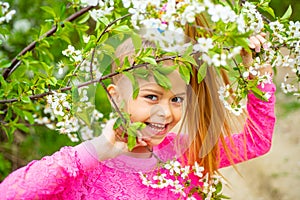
<point x="268" y="10"/>
<point x="242" y="42"/>
<point x="122" y="29"/>
<point x="135" y="85"/>
<point x="131" y="138"/>
<point x="104" y="20"/>
<point x="75" y="94"/>
<point x="118" y="123"/>
<point x="29" y="117"/>
<point x="287" y="13"/>
<point x="84" y="19"/>
<point x="162" y="80"/>
<point x="9" y="131"/>
<point x="52" y="81"/>
<point x="185" y="73"/>
<point x="189" y="59"/>
<point x="165" y="70"/>
<point x="202" y="72"/>
<point x="22" y="127"/>
<point x="138" y="125"/>
<point x="258" y="93"/>
<point x="149" y="60"/>
<point x="49" y="10"/>
<point x="137" y="41"/>
<point x="141" y="73"/>
<point x="189" y="51"/>
<point x="25" y="99"/>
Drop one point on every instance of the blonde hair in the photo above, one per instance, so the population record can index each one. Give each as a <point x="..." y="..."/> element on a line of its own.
<point x="208" y="122"/>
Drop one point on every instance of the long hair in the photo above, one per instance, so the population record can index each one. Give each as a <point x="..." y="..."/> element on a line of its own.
<point x="208" y="123"/>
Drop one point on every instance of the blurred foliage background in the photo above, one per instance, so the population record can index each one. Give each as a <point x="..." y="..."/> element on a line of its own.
<point x="25" y="28"/>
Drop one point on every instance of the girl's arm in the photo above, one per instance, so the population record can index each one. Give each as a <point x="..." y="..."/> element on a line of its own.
<point x="256" y="138"/>
<point x="50" y="175"/>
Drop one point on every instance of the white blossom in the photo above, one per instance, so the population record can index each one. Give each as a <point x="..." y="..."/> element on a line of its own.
<point x="86" y="133"/>
<point x="173" y="167"/>
<point x="198" y="170"/>
<point x="74" y="55"/>
<point x="203" y="45"/>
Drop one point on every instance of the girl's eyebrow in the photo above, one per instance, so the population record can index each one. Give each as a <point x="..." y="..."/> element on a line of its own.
<point x="160" y="93"/>
<point x="181" y="94"/>
<point x="152" y="90"/>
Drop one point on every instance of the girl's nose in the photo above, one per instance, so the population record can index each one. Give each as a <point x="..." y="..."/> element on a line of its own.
<point x="162" y="111"/>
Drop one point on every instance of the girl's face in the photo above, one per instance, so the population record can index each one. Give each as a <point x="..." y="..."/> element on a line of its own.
<point x="158" y="108"/>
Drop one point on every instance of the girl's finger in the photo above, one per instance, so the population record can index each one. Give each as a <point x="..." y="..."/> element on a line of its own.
<point x="255" y="43"/>
<point x="141" y="142"/>
<point x="261" y="39"/>
<point x="263" y="34"/>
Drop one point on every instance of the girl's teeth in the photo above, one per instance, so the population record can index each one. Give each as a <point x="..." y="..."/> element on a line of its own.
<point x="157" y="127"/>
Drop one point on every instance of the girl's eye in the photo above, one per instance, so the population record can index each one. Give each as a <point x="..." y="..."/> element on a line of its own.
<point x="152" y="97"/>
<point x="177" y="100"/>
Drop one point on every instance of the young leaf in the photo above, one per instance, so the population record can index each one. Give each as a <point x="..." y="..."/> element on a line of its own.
<point x="149" y="60"/>
<point x="185" y="73"/>
<point x="162" y="80"/>
<point x="135" y="85"/>
<point x="287" y="13"/>
<point x="122" y="29"/>
<point x="202" y="72"/>
<point x="137" y="41"/>
<point x="117" y="123"/>
<point x="49" y="10"/>
<point x="141" y="73"/>
<point x="22" y="127"/>
<point x="25" y="99"/>
<point x="165" y="70"/>
<point x="258" y="93"/>
<point x="131" y="138"/>
<point x="75" y="94"/>
<point x="189" y="59"/>
<point x="138" y="125"/>
<point x="29" y="117"/>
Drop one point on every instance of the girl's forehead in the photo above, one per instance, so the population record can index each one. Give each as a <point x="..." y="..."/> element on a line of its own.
<point x="177" y="83"/>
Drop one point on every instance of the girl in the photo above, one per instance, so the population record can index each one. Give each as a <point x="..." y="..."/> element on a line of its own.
<point x="104" y="168"/>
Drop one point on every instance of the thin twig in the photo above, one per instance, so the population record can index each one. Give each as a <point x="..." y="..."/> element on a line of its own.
<point x="15" y="63"/>
<point x="38" y="96"/>
<point x="116" y="107"/>
<point x="110" y="24"/>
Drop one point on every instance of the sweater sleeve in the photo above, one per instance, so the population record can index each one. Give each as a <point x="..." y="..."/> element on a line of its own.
<point x="50" y="175"/>
<point x="256" y="138"/>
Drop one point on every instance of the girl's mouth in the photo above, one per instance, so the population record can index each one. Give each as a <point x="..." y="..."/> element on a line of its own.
<point x="156" y="128"/>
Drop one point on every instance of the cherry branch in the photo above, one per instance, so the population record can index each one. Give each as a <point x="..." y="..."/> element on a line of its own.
<point x="15" y="63"/>
<point x="38" y="96"/>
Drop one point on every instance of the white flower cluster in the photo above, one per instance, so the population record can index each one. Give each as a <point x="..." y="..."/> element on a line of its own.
<point x="250" y="19"/>
<point x="73" y="54"/>
<point x="87" y="67"/>
<point x="6" y="14"/>
<point x="288" y="37"/>
<point x="58" y="108"/>
<point x="177" y="177"/>
<point x="236" y="107"/>
<point x="105" y="7"/>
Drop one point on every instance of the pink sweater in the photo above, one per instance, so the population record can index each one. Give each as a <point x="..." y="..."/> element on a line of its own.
<point x="74" y="172"/>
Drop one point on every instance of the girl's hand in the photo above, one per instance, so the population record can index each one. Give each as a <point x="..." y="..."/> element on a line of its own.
<point x="256" y="43"/>
<point x="110" y="143"/>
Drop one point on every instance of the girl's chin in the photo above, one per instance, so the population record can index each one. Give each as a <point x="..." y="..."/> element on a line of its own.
<point x="154" y="141"/>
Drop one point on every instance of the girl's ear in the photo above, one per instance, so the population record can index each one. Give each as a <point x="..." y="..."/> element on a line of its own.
<point x="114" y="93"/>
